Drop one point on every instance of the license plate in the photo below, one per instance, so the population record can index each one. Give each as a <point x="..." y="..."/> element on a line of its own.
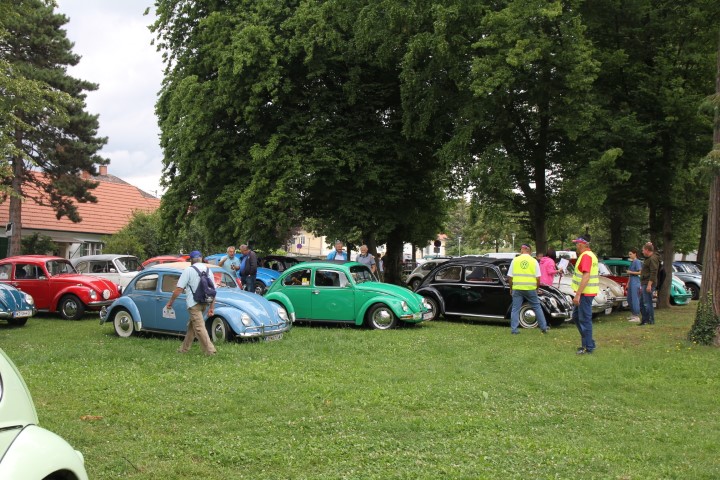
<point x="428" y="316"/>
<point x="270" y="338"/>
<point x="22" y="313"/>
<point x="608" y="311"/>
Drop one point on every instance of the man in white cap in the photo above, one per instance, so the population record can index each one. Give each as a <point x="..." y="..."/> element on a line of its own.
<point x="188" y="283"/>
<point x="586" y="285"/>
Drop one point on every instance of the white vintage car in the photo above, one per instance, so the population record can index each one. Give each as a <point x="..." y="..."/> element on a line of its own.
<point x="27" y="451"/>
<point x="603" y="302"/>
<point x="119" y="269"/>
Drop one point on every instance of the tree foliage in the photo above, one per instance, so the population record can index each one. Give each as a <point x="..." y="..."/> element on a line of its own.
<point x="45" y="126"/>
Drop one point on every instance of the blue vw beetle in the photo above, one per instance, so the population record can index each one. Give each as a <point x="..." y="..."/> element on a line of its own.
<point x="16" y="306"/>
<point x="237" y="313"/>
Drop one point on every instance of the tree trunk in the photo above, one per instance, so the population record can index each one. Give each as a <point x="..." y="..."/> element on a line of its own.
<point x="667" y="258"/>
<point x="16" y="207"/>
<point x="393" y="259"/>
<point x="703" y="234"/>
<point x="617" y="223"/>
<point x="711" y="256"/>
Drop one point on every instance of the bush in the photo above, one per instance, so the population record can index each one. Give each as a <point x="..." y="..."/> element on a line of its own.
<point x="705" y="329"/>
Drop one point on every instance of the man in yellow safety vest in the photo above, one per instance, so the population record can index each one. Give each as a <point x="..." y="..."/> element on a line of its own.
<point x="586" y="285"/>
<point x="524" y="277"/>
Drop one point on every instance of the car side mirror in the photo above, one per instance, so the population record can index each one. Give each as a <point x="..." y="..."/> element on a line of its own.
<point x="42" y="277"/>
<point x="112" y="270"/>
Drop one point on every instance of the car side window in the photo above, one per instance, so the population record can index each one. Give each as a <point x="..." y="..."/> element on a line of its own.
<point x="169" y="282"/>
<point x="223" y="279"/>
<point x="298" y="278"/>
<point x="450" y="273"/>
<point x="82" y="267"/>
<point x="5" y="271"/>
<point x="327" y="278"/>
<point x="427" y="266"/>
<point x="26" y="271"/>
<point x="481" y="274"/>
<point x="149" y="283"/>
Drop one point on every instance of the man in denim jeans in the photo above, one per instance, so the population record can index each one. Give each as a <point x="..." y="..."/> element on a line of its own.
<point x="586" y="285"/>
<point x="524" y="277"/>
<point x="648" y="283"/>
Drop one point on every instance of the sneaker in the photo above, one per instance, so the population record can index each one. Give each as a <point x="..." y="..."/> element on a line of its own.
<point x="634" y="319"/>
<point x="583" y="351"/>
<point x="544" y="331"/>
<point x="515" y="332"/>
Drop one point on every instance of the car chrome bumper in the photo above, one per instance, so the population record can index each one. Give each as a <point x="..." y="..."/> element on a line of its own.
<point x="265" y="330"/>
<point x="99" y="303"/>
<point x="563" y="315"/>
<point x="103" y="315"/>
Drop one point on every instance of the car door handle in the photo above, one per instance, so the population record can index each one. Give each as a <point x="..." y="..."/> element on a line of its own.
<point x="15" y="284"/>
<point x="316" y="292"/>
<point x="466" y="287"/>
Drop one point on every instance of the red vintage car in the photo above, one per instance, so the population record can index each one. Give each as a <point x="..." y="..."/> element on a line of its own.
<point x="164" y="259"/>
<point x="56" y="286"/>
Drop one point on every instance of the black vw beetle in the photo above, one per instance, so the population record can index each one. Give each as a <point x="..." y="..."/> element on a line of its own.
<point x="477" y="288"/>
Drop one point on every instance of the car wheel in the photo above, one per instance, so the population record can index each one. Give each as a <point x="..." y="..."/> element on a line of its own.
<point x="415" y="284"/>
<point x="527" y="317"/>
<point x="694" y="290"/>
<point x="71" y="308"/>
<point x="435" y="307"/>
<point x="259" y="288"/>
<point x="220" y="330"/>
<point x="123" y="323"/>
<point x="17" y="322"/>
<point x="381" y="317"/>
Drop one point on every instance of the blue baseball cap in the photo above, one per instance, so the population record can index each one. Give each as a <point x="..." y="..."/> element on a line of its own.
<point x="195" y="254"/>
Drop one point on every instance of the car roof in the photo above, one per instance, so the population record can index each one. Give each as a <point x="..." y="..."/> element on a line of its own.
<point x="477" y="259"/>
<point x="104" y="256"/>
<point x="31" y="258"/>
<point x="180" y="266"/>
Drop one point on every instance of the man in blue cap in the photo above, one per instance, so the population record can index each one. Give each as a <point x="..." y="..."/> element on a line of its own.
<point x="188" y="283"/>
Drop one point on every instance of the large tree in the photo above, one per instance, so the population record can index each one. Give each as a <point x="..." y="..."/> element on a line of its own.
<point x="657" y="59"/>
<point x="296" y="114"/>
<point x="49" y="130"/>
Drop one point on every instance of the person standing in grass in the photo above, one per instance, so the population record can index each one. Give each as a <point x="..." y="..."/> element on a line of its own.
<point x="633" y="287"/>
<point x="548" y="267"/>
<point x="230" y="262"/>
<point x="188" y="283"/>
<point x="586" y="285"/>
<point x="524" y="277"/>
<point x="366" y="259"/>
<point x="648" y="283"/>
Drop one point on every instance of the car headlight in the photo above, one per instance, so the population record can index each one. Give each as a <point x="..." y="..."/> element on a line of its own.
<point x="106" y="294"/>
<point x="29" y="299"/>
<point x="93" y="294"/>
<point x="282" y="313"/>
<point x="246" y="320"/>
<point x="404" y="306"/>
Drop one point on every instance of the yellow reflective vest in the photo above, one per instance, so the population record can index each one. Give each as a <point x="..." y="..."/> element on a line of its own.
<point x="593" y="285"/>
<point x="524" y="273"/>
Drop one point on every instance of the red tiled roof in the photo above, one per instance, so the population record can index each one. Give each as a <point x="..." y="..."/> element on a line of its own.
<point x="116" y="202"/>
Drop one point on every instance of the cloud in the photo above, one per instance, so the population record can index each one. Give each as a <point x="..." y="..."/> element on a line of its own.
<point x="114" y="42"/>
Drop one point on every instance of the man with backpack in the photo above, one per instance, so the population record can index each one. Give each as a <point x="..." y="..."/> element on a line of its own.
<point x="193" y="282"/>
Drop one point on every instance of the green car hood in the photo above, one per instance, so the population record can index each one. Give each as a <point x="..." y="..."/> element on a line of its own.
<point x="413" y="300"/>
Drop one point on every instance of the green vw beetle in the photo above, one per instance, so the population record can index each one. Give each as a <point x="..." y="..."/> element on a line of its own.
<point x="338" y="291"/>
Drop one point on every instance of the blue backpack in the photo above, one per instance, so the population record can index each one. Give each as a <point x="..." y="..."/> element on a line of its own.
<point x="205" y="292"/>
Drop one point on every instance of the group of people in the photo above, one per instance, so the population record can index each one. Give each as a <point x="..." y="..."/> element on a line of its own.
<point x="527" y="273"/>
<point x="375" y="266"/>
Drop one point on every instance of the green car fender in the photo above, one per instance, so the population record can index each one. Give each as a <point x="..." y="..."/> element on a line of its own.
<point x="394" y="303"/>
<point x="283" y="300"/>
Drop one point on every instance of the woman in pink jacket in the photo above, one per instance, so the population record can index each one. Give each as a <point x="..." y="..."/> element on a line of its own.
<point x="547" y="267"/>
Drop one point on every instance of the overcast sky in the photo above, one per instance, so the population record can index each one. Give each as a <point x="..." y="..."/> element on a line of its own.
<point x="113" y="39"/>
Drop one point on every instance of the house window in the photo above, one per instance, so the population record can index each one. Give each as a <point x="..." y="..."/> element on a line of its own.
<point x="92" y="248"/>
<point x="301" y="239"/>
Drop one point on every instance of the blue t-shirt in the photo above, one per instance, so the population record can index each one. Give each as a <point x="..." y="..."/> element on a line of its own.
<point x="634" y="281"/>
<point x="229" y="262"/>
<point x="335" y="255"/>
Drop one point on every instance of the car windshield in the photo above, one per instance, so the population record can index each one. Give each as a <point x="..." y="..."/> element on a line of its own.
<point x="58" y="267"/>
<point x="128" y="264"/>
<point x="361" y="274"/>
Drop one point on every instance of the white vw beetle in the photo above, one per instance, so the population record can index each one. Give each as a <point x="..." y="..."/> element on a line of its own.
<point x="27" y="451"/>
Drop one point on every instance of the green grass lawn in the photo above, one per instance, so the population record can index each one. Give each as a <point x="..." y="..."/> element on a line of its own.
<point x="441" y="400"/>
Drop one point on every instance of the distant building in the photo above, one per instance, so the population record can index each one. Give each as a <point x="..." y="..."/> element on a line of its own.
<point x="116" y="202"/>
